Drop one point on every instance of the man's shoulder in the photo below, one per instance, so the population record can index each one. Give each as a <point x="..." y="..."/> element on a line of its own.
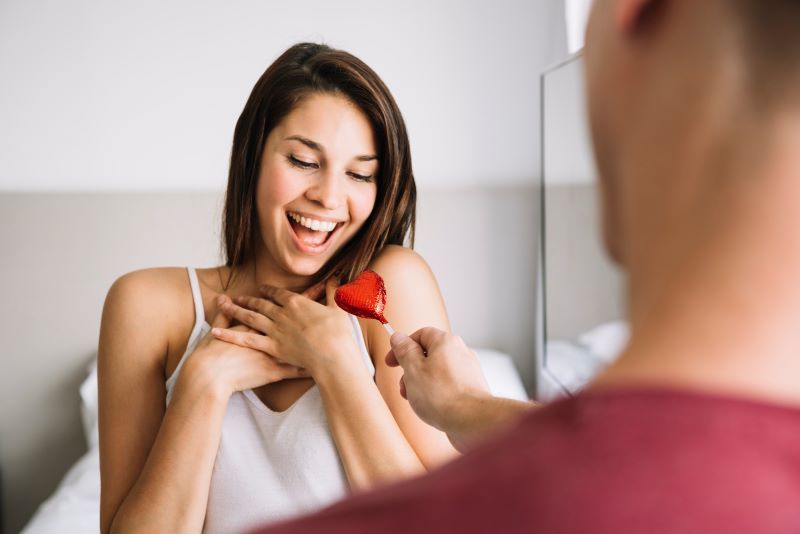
<point x="603" y="462"/>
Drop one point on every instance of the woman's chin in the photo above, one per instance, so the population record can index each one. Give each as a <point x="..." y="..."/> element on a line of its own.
<point x="304" y="266"/>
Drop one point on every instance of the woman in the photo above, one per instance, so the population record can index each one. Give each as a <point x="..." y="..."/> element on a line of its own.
<point x="288" y="403"/>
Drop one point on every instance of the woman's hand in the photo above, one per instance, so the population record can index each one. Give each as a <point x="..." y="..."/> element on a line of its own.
<point x="228" y="367"/>
<point x="294" y="328"/>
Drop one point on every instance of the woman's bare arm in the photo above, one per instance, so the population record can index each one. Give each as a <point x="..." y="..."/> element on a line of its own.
<point x="377" y="433"/>
<point x="414" y="300"/>
<point x="155" y="463"/>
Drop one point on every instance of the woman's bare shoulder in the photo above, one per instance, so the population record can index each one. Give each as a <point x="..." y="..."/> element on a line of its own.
<point x="155" y="286"/>
<point x="412" y="290"/>
<point x="158" y="299"/>
<point x="402" y="265"/>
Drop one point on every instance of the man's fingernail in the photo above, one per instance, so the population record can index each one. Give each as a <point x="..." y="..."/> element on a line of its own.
<point x="220" y="300"/>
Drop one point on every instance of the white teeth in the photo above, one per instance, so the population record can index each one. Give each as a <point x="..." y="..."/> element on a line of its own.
<point x="313" y="224"/>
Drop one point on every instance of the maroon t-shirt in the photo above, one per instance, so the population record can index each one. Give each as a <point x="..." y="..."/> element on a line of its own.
<point x="603" y="462"/>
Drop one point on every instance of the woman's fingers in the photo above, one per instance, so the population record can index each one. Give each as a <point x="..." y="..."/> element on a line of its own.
<point x="248" y="317"/>
<point x="291" y="371"/>
<point x="277" y="295"/>
<point x="250" y="340"/>
<point x="221" y="320"/>
<point x="265" y="307"/>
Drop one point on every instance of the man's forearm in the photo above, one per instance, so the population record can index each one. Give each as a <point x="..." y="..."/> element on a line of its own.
<point x="479" y="418"/>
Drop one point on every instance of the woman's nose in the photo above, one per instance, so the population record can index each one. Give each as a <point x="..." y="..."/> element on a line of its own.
<point x="326" y="191"/>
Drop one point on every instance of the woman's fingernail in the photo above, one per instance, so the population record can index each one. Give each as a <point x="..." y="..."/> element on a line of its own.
<point x="216" y="331"/>
<point x="220" y="300"/>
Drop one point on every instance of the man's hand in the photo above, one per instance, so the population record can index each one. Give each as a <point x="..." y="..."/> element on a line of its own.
<point x="442" y="375"/>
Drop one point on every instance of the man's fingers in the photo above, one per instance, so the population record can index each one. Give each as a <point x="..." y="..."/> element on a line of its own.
<point x="391" y="360"/>
<point x="403" y="388"/>
<point x="427" y="336"/>
<point x="405" y="348"/>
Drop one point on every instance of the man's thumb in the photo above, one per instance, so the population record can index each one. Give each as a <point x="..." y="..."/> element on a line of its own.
<point x="404" y="347"/>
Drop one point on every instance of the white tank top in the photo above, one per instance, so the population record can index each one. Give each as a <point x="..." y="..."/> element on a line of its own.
<point x="270" y="465"/>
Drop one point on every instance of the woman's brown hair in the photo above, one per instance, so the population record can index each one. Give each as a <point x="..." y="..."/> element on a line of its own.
<point x="302" y="70"/>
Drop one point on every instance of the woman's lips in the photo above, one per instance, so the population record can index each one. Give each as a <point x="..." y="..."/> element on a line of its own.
<point x="308" y="241"/>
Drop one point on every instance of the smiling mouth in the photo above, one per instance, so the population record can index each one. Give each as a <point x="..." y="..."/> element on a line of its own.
<point x="313" y="233"/>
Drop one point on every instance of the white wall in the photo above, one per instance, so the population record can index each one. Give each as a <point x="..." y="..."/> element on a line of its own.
<point x="144" y="95"/>
<point x="577" y="12"/>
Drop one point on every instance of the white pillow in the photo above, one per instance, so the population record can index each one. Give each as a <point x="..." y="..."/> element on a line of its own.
<point x="88" y="393"/>
<point x="606" y="340"/>
<point x="501" y="374"/>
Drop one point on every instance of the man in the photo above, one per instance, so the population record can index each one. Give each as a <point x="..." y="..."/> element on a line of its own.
<point x="695" y="115"/>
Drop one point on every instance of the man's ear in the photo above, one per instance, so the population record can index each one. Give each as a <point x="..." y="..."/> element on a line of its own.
<point x="631" y="15"/>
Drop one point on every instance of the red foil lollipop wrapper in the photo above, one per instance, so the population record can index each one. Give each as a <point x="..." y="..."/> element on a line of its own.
<point x="364" y="297"/>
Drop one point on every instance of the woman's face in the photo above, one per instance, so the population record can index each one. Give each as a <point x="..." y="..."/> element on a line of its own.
<point x="317" y="183"/>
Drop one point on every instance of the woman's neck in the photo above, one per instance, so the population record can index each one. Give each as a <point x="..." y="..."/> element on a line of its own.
<point x="262" y="270"/>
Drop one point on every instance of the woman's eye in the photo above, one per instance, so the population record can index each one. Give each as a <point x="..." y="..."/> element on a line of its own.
<point x="302" y="164"/>
<point x="360" y="177"/>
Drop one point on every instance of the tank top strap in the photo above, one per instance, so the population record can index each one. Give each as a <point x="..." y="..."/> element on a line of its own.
<point x="362" y="346"/>
<point x="197" y="330"/>
<point x="199" y="311"/>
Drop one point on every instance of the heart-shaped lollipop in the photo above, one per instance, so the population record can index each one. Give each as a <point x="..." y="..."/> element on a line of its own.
<point x="364" y="297"/>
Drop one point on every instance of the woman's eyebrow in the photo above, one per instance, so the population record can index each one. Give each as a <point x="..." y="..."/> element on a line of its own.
<point x="313" y="145"/>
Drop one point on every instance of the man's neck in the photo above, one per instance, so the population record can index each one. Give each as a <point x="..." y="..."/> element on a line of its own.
<point x="715" y="304"/>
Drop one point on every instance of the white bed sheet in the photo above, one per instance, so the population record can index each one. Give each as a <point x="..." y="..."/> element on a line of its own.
<point x="74" y="508"/>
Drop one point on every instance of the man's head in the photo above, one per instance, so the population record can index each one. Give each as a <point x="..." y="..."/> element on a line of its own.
<point x="665" y="78"/>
